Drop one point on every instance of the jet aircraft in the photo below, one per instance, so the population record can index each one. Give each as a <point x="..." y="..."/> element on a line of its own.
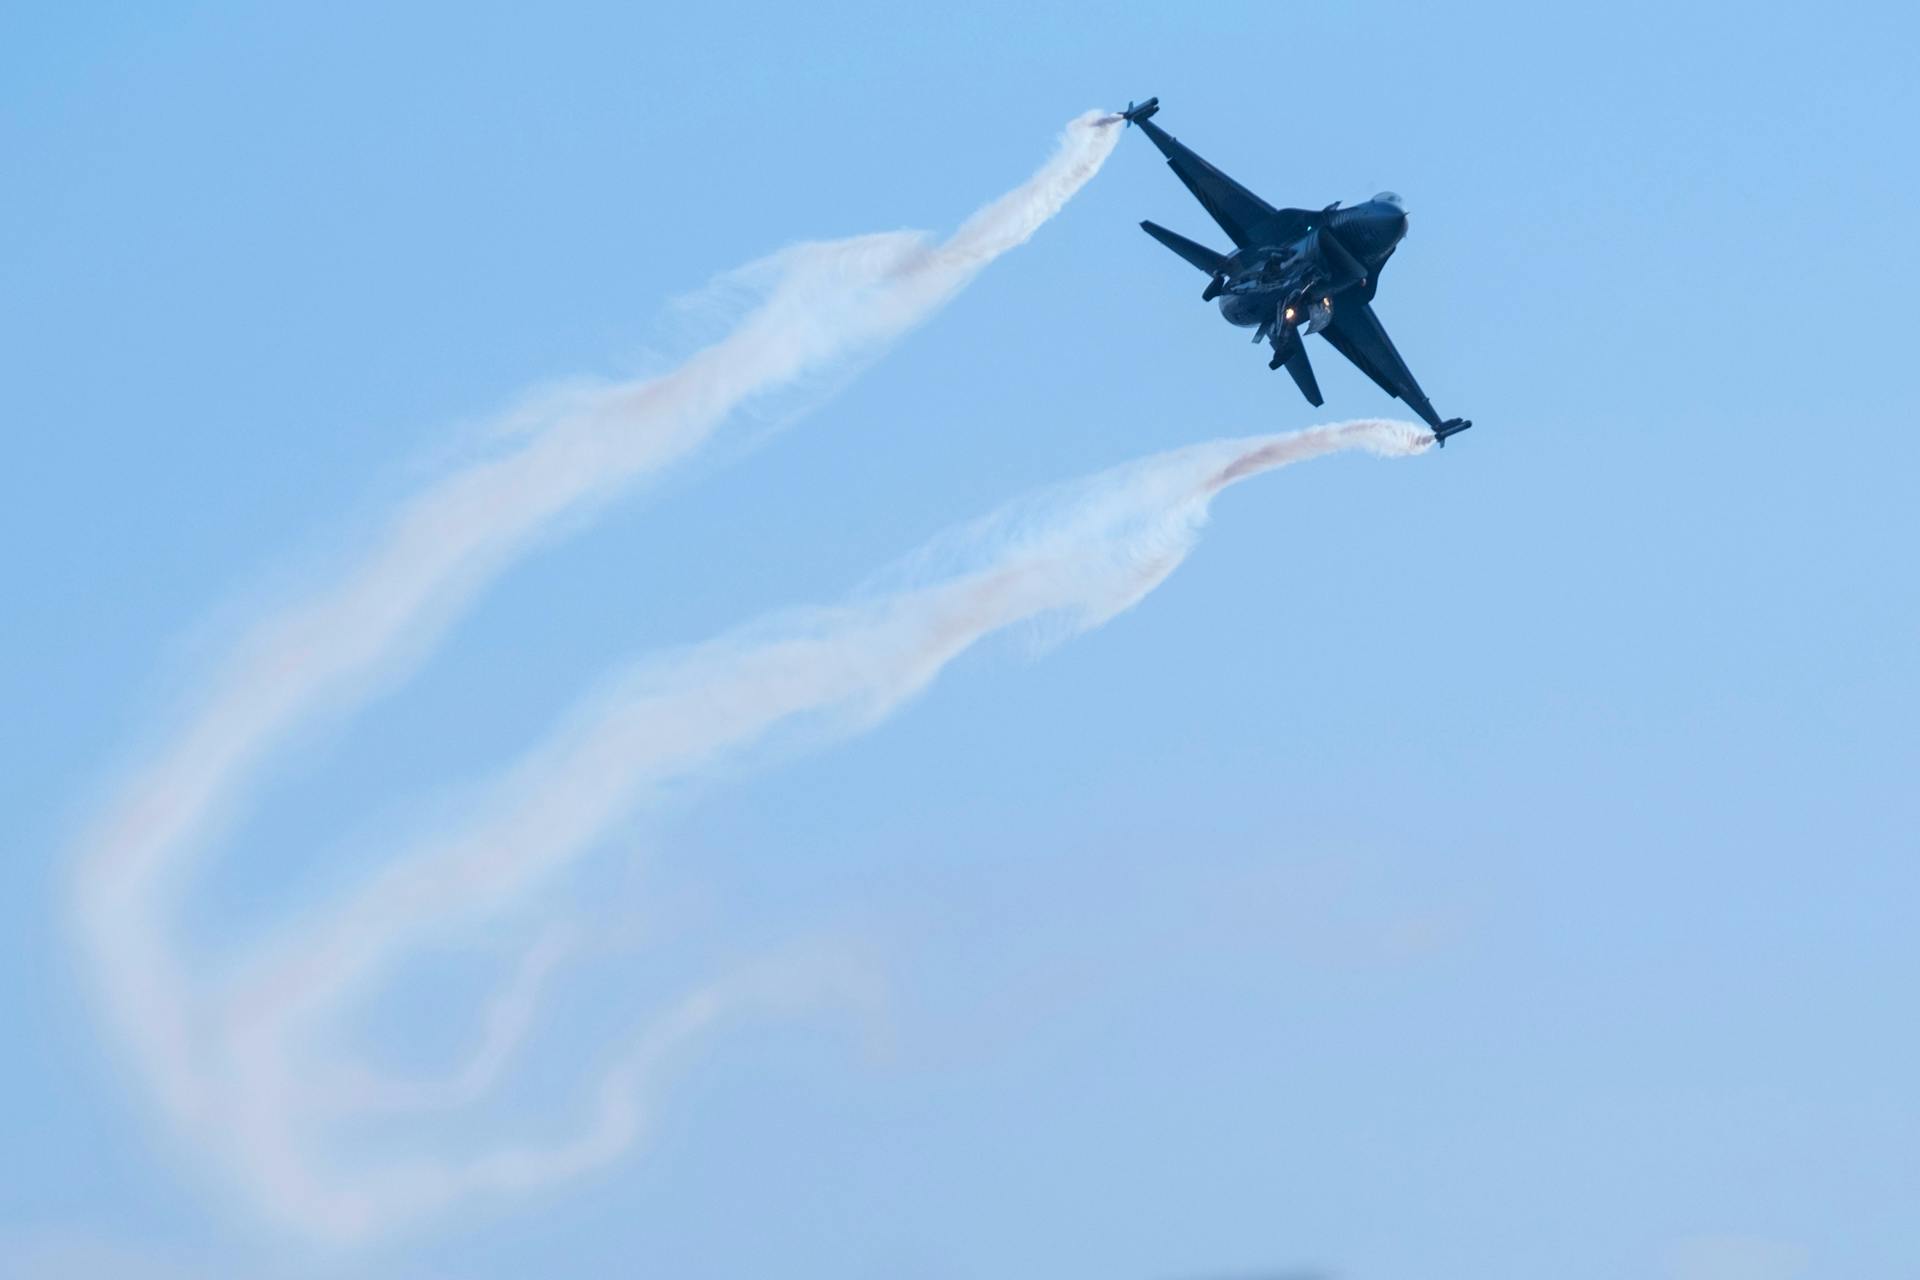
<point x="1296" y="267"/>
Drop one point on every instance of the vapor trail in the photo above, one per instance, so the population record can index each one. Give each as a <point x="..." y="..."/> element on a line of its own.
<point x="822" y="305"/>
<point x="1078" y="555"/>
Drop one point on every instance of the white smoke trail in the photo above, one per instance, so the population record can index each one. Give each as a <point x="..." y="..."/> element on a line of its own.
<point x="824" y="304"/>
<point x="1080" y="555"/>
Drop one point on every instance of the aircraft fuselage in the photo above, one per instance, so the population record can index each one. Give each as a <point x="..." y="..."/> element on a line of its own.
<point x="1272" y="287"/>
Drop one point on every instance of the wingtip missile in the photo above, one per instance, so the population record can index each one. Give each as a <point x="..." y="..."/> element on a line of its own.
<point x="1134" y="115"/>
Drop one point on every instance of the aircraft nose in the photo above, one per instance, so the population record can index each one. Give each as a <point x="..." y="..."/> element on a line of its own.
<point x="1374" y="227"/>
<point x="1390" y="211"/>
<point x="1392" y="223"/>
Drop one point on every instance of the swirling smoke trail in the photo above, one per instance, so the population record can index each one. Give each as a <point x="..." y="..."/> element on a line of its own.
<point x="242" y="1069"/>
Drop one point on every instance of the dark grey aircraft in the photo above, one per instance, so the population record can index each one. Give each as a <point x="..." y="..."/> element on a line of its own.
<point x="1294" y="267"/>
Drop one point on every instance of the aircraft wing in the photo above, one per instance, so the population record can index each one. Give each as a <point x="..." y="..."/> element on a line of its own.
<point x="1355" y="333"/>
<point x="1240" y="213"/>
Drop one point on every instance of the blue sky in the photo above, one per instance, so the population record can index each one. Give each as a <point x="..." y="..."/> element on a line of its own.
<point x="1495" y="863"/>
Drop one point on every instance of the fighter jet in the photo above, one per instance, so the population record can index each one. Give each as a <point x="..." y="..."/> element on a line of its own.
<point x="1295" y="268"/>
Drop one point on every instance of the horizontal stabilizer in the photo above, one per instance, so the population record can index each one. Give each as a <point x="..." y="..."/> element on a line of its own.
<point x="1198" y="254"/>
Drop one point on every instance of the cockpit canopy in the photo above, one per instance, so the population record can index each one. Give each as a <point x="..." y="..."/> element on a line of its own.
<point x="1392" y="198"/>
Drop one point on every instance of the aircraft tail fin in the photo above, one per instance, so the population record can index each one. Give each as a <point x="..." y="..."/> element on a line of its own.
<point x="1198" y="254"/>
<point x="1302" y="370"/>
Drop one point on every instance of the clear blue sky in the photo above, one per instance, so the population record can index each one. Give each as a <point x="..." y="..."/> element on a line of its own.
<point x="1500" y="863"/>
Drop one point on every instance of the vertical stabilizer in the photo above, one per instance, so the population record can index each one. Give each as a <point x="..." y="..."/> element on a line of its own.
<point x="1302" y="370"/>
